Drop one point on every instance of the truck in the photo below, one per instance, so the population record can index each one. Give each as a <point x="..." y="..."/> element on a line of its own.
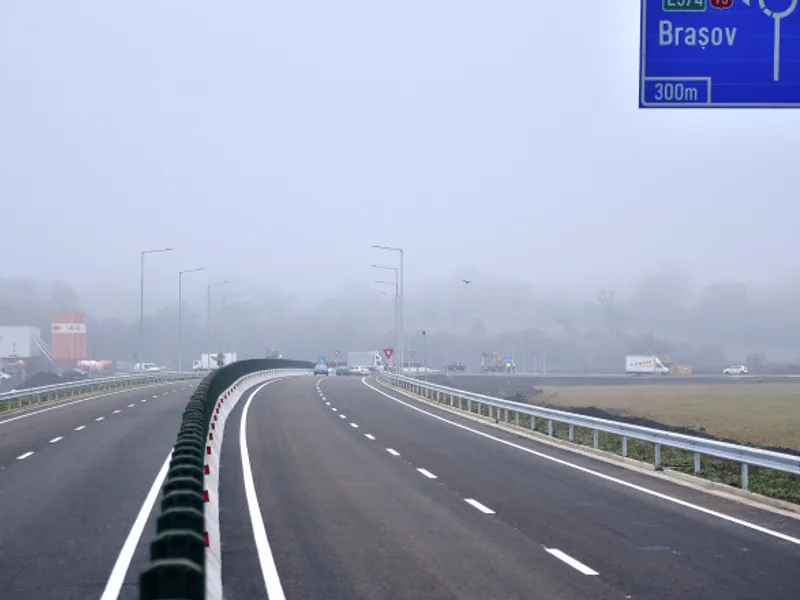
<point x="492" y="362"/>
<point x="208" y="361"/>
<point x="364" y="361"/>
<point x="642" y="364"/>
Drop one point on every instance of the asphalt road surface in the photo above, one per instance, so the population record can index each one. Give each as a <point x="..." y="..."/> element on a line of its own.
<point x="73" y="478"/>
<point x="368" y="494"/>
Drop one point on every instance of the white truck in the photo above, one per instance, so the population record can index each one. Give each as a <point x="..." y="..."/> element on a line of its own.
<point x="364" y="361"/>
<point x="642" y="364"/>
<point x="208" y="361"/>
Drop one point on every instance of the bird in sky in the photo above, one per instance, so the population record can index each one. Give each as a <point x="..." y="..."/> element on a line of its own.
<point x="466" y="281"/>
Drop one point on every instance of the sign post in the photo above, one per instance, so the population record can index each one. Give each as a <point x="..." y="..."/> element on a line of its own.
<point x="719" y="54"/>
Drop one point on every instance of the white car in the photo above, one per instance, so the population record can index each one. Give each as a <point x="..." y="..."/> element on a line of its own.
<point x="739" y="370"/>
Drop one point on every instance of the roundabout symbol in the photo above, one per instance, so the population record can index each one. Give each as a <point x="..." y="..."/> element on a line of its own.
<point x="776" y="16"/>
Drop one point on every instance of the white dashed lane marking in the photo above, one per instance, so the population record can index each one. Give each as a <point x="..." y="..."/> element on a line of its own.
<point x="56" y="439"/>
<point x="474" y="503"/>
<point x="24" y="456"/>
<point x="393" y="452"/>
<point x="427" y="473"/>
<point x="369" y="436"/>
<point x="575" y="564"/>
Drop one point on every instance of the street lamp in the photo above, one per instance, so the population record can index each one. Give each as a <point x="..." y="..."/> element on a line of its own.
<point x="401" y="302"/>
<point x="208" y="310"/>
<point x="180" y="313"/>
<point x="398" y="342"/>
<point x="141" y="299"/>
<point x="425" y="355"/>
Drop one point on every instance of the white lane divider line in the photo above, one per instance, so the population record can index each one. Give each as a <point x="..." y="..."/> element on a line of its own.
<point x="475" y="504"/>
<point x="153" y="397"/>
<point x="369" y="436"/>
<point x="342" y="416"/>
<point x="575" y="564"/>
<point x="144" y="399"/>
<point x="334" y="409"/>
<point x="120" y="570"/>
<point x="131" y="406"/>
<point x="427" y="473"/>
<point x="56" y="439"/>
<point x="353" y="425"/>
<point x="24" y="456"/>
<point x="328" y="403"/>
<point x="116" y="412"/>
<point x="393" y="452"/>
<point x="80" y="428"/>
<point x="269" y="571"/>
<point x="98" y="419"/>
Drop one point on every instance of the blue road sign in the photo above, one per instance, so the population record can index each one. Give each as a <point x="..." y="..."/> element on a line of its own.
<point x="321" y="360"/>
<point x="720" y="54"/>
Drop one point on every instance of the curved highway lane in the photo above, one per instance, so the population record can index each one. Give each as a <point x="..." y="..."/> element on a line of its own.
<point x="365" y="493"/>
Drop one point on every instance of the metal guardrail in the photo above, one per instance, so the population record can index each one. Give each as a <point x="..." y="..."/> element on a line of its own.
<point x="471" y="402"/>
<point x="47" y="393"/>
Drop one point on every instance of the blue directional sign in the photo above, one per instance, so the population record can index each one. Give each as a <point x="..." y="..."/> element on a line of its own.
<point x="720" y="54"/>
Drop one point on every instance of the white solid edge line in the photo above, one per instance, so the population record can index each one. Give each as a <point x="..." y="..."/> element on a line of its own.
<point x="269" y="571"/>
<point x="62" y="405"/>
<point x="427" y="473"/>
<point x="56" y="439"/>
<point x="393" y="452"/>
<point x="481" y="507"/>
<point x="24" y="456"/>
<point x="575" y="564"/>
<point x="588" y="471"/>
<point x="117" y="577"/>
<point x="369" y="436"/>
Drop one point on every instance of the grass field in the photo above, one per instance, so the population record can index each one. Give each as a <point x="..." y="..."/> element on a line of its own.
<point x="767" y="414"/>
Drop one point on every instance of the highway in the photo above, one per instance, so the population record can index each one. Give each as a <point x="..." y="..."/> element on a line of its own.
<point x="73" y="477"/>
<point x="338" y="488"/>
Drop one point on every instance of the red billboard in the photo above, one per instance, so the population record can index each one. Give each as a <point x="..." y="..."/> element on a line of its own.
<point x="68" y="338"/>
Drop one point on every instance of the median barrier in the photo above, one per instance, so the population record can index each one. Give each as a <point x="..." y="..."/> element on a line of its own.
<point x="185" y="553"/>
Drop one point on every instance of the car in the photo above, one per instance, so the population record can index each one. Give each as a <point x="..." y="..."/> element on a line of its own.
<point x="74" y="374"/>
<point x="737" y="370"/>
<point x="456" y="366"/>
<point x="320" y="369"/>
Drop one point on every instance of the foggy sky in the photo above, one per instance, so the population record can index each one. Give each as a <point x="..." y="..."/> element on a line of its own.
<point x="272" y="143"/>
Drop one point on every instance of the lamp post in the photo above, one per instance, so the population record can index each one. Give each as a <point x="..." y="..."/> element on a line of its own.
<point x="401" y="297"/>
<point x="425" y="355"/>
<point x="208" y="311"/>
<point x="180" y="313"/>
<point x="398" y="361"/>
<point x="141" y="298"/>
